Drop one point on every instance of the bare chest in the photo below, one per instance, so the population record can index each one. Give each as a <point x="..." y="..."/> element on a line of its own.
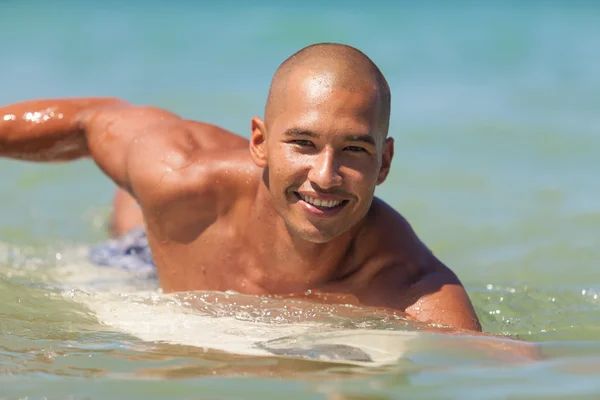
<point x="216" y="258"/>
<point x="226" y="256"/>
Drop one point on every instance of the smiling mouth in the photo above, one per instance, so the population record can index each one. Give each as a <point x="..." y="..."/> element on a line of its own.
<point x="322" y="204"/>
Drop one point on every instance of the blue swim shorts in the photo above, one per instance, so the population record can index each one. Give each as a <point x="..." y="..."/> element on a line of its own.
<point x="129" y="252"/>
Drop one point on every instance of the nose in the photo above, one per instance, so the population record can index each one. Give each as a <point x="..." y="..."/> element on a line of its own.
<point x="325" y="170"/>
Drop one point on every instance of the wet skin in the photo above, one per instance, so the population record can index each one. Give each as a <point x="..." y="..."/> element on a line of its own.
<point x="291" y="209"/>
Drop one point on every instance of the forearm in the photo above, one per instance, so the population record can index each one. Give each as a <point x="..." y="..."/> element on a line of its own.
<point x="46" y="130"/>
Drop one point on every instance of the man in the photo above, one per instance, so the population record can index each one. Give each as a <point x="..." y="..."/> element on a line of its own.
<point x="289" y="211"/>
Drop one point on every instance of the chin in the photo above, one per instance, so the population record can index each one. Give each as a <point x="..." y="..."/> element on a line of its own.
<point x="317" y="238"/>
<point x="313" y="234"/>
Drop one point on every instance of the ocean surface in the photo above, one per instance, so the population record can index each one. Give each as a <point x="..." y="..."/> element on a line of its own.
<point x="496" y="119"/>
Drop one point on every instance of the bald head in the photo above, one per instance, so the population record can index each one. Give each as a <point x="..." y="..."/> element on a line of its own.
<point x="329" y="66"/>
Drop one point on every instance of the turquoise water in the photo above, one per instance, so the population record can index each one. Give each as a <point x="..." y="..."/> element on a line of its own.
<point x="495" y="115"/>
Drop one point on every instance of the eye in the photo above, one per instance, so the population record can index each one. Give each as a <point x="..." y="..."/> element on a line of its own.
<point x="356" y="149"/>
<point x="302" y="143"/>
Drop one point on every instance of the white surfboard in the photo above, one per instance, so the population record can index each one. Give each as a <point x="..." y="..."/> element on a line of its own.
<point x="248" y="325"/>
<point x="153" y="318"/>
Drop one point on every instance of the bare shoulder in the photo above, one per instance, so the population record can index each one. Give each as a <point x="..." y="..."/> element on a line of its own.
<point x="185" y="174"/>
<point x="181" y="172"/>
<point x="156" y="138"/>
<point x="391" y="236"/>
<point x="412" y="278"/>
<point x="178" y="154"/>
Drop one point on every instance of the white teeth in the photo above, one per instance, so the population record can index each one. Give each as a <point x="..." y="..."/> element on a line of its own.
<point x="321" y="203"/>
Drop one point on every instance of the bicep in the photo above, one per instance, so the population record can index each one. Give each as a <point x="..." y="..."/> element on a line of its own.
<point x="110" y="132"/>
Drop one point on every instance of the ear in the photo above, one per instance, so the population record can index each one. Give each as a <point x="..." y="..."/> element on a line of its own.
<point x="258" y="142"/>
<point x="386" y="160"/>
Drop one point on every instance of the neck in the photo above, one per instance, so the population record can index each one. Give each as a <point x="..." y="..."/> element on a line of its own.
<point x="291" y="259"/>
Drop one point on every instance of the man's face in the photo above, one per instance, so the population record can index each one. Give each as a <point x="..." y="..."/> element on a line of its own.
<point x="324" y="157"/>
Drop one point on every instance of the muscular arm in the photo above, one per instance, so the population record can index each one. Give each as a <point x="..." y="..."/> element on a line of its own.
<point x="67" y="129"/>
<point x="416" y="281"/>
<point x="441" y="299"/>
<point x="105" y="129"/>
<point x="148" y="151"/>
<point x="419" y="284"/>
<point x="47" y="130"/>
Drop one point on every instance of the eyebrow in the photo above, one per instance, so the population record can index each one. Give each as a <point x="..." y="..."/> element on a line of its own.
<point x="364" y="138"/>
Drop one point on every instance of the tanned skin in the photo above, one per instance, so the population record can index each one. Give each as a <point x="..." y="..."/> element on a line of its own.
<point x="226" y="213"/>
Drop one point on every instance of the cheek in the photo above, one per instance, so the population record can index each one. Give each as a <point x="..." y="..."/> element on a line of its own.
<point x="359" y="184"/>
<point x="362" y="174"/>
<point x="288" y="167"/>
